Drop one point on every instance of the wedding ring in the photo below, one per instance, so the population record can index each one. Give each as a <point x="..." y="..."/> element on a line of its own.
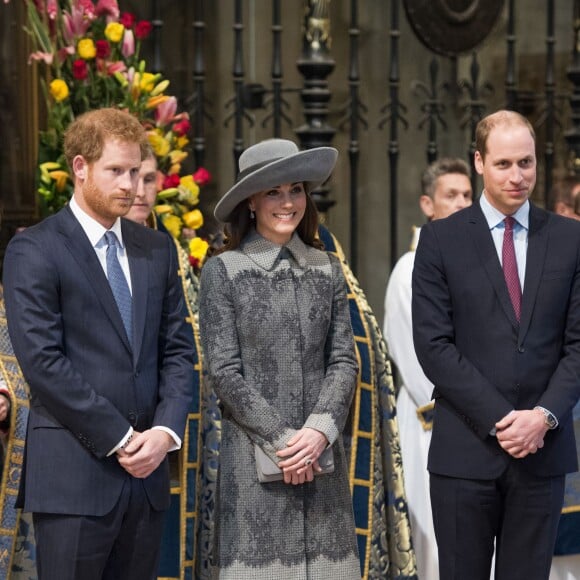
<point x="308" y="461"/>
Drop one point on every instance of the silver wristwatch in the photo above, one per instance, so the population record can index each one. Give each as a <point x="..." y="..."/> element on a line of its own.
<point x="551" y="421"/>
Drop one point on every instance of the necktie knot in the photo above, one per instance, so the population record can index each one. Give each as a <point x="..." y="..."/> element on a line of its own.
<point x="111" y="239"/>
<point x="509" y="222"/>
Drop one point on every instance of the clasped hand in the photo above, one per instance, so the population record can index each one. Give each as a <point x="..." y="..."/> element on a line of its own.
<point x="521" y="432"/>
<point x="146" y="450"/>
<point x="300" y="458"/>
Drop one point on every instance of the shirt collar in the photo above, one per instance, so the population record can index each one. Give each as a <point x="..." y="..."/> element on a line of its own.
<point x="415" y="238"/>
<point x="494" y="217"/>
<point x="94" y="230"/>
<point x="266" y="253"/>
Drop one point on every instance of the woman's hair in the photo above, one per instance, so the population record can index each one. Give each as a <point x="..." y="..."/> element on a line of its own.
<point x="240" y="224"/>
<point x="87" y="134"/>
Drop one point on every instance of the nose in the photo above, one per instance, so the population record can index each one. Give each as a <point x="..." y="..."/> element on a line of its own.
<point x="127" y="182"/>
<point x="140" y="191"/>
<point x="515" y="175"/>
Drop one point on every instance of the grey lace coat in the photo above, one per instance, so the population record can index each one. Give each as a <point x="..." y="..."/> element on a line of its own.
<point x="279" y="352"/>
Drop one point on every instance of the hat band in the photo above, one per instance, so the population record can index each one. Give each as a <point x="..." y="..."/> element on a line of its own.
<point x="255" y="167"/>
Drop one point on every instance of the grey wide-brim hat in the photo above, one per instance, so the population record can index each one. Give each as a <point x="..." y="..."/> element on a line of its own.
<point x="273" y="162"/>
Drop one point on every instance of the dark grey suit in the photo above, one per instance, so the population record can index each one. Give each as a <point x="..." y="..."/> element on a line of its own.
<point x="88" y="384"/>
<point x="482" y="362"/>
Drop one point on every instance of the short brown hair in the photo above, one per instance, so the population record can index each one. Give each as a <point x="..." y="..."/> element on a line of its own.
<point x="503" y="117"/>
<point x="87" y="134"/>
<point x="441" y="167"/>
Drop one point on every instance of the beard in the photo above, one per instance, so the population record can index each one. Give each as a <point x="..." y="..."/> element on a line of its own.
<point x="105" y="206"/>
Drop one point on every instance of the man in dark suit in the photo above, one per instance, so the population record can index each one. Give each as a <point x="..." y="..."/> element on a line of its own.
<point x="94" y="309"/>
<point x="496" y="319"/>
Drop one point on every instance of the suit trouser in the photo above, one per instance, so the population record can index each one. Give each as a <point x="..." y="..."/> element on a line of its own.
<point x="518" y="510"/>
<point x="124" y="544"/>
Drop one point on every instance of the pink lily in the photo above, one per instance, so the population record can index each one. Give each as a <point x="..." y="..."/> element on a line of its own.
<point x="75" y="24"/>
<point x="165" y="112"/>
<point x="65" y="52"/>
<point x="52" y="9"/>
<point x="47" y="57"/>
<point x="87" y="7"/>
<point x="108" y="8"/>
<point x="116" y="67"/>
<point x="128" y="46"/>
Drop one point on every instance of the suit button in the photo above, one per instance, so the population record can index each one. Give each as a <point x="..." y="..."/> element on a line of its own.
<point x="521" y="349"/>
<point x="133" y="419"/>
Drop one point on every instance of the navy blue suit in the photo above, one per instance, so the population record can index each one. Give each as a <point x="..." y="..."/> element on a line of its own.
<point x="88" y="384"/>
<point x="484" y="363"/>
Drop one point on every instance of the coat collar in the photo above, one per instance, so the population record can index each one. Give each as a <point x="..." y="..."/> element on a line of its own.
<point x="81" y="249"/>
<point x="266" y="254"/>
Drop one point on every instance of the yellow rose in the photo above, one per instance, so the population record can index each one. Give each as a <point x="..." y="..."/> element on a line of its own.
<point x="188" y="182"/>
<point x="114" y="31"/>
<point x="174" y="169"/>
<point x="189" y="190"/>
<point x="87" y="49"/>
<point x="173" y="225"/>
<point x="58" y="90"/>
<point x="193" y="219"/>
<point x="159" y="144"/>
<point x="181" y="142"/>
<point x="198" y="248"/>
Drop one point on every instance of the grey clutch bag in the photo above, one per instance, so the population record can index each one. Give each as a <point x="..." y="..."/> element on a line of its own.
<point x="269" y="471"/>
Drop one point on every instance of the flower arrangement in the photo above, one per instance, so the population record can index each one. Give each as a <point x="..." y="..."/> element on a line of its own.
<point x="91" y="54"/>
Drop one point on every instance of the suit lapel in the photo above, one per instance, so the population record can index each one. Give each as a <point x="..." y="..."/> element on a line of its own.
<point x="138" y="266"/>
<point x="489" y="259"/>
<point x="80" y="248"/>
<point x="535" y="259"/>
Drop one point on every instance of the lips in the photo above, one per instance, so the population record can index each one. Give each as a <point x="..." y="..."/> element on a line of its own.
<point x="284" y="216"/>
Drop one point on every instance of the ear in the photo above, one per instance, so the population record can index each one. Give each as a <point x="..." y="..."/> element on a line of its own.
<point x="562" y="209"/>
<point x="478" y="162"/>
<point x="80" y="167"/>
<point x="426" y="205"/>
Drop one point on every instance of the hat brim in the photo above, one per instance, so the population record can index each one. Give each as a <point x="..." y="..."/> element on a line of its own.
<point x="312" y="167"/>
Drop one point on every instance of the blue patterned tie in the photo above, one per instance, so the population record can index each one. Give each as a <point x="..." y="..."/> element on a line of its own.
<point x="118" y="284"/>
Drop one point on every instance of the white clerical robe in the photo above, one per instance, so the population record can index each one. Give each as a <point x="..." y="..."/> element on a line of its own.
<point x="416" y="390"/>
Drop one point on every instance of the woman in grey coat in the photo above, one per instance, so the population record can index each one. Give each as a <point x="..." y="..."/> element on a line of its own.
<point x="279" y="352"/>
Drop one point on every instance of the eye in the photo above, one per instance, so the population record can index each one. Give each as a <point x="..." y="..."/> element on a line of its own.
<point x="272" y="193"/>
<point x="134" y="172"/>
